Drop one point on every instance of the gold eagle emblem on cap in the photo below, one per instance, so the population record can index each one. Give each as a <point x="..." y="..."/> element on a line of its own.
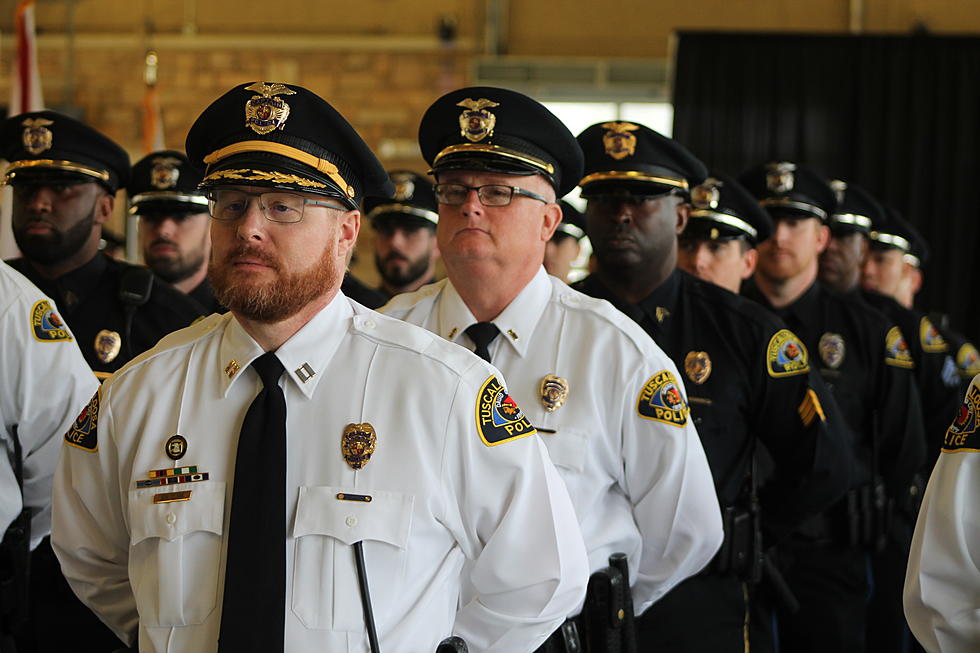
<point x="476" y="122"/>
<point x="706" y="194"/>
<point x="266" y="112"/>
<point x="840" y="188"/>
<point x="37" y="137"/>
<point x="164" y="172"/>
<point x="779" y="177"/>
<point x="618" y="140"/>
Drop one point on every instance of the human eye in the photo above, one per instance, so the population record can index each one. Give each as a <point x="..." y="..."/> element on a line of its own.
<point x="230" y="205"/>
<point x="496" y="194"/>
<point x="452" y="193"/>
<point x="283" y="208"/>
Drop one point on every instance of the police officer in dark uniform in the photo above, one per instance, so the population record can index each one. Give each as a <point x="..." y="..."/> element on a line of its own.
<point x="64" y="176"/>
<point x="746" y="375"/>
<point x="864" y="359"/>
<point x="174" y="224"/>
<point x="566" y="243"/>
<point x="405" y="249"/>
<point x="856" y="215"/>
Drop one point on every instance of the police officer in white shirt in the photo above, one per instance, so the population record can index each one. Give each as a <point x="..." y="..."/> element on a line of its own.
<point x="303" y="474"/>
<point x="942" y="583"/>
<point x="609" y="404"/>
<point x="45" y="383"/>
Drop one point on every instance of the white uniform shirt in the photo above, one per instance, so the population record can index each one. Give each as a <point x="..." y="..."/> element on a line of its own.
<point x="45" y="383"/>
<point x="440" y="495"/>
<point x="640" y="485"/>
<point x="942" y="582"/>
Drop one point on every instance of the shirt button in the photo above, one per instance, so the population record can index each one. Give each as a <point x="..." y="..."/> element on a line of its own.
<point x="368" y="324"/>
<point x="351" y="521"/>
<point x="171" y="518"/>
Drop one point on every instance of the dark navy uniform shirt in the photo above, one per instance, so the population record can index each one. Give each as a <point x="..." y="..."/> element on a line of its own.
<point x="721" y="342"/>
<point x="203" y="294"/>
<point x="88" y="300"/>
<point x="865" y="360"/>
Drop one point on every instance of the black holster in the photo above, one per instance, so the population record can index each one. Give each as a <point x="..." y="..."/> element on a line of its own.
<point x="741" y="551"/>
<point x="869" y="514"/>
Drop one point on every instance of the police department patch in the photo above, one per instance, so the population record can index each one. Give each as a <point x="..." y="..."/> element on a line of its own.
<point x="661" y="400"/>
<point x="498" y="417"/>
<point x="960" y="434"/>
<point x="932" y="341"/>
<point x="968" y="361"/>
<point x="47" y="325"/>
<point x="84" y="432"/>
<point x="786" y="355"/>
<point x="896" y="350"/>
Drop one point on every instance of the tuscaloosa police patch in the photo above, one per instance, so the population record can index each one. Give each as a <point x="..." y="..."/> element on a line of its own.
<point x="46" y="325"/>
<point x="498" y="417"/>
<point x="786" y="355"/>
<point x="896" y="350"/>
<point x="83" y="433"/>
<point x="661" y="400"/>
<point x="961" y="434"/>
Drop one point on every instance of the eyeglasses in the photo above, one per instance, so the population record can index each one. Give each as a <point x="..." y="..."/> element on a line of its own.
<point x="490" y="194"/>
<point x="229" y="205"/>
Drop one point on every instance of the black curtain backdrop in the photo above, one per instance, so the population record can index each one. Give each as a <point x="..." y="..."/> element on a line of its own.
<point x="899" y="115"/>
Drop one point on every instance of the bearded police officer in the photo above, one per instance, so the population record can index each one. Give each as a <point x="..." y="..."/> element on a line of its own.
<point x="747" y="374"/>
<point x="64" y="176"/>
<point x="610" y="405"/>
<point x="304" y="474"/>
<point x="175" y="233"/>
<point x="405" y="249"/>
<point x="864" y="359"/>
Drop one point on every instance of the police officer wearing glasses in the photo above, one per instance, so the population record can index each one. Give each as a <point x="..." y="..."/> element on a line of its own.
<point x="609" y="405"/>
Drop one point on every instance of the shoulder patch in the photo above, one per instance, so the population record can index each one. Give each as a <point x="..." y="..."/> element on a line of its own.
<point x="786" y="355"/>
<point x="960" y="436"/>
<point x="968" y="361"/>
<point x="46" y="325"/>
<point x="498" y="417"/>
<point x="897" y="350"/>
<point x="662" y="401"/>
<point x="84" y="433"/>
<point x="932" y="341"/>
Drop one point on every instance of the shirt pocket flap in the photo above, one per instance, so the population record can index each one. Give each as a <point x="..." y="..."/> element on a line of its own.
<point x="351" y="517"/>
<point x="203" y="510"/>
<point x="567" y="448"/>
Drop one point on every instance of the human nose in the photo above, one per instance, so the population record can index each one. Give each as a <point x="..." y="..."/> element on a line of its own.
<point x="39" y="200"/>
<point x="472" y="205"/>
<point x="252" y="224"/>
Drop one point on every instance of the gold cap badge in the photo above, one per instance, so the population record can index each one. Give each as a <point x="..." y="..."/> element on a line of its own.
<point x="37" y="137"/>
<point x="164" y="173"/>
<point x="618" y="140"/>
<point x="404" y="186"/>
<point x="358" y="444"/>
<point x="476" y="123"/>
<point x="107" y="345"/>
<point x="840" y="188"/>
<point x="554" y="392"/>
<point x="779" y="177"/>
<point x="265" y="112"/>
<point x="697" y="366"/>
<point x="706" y="195"/>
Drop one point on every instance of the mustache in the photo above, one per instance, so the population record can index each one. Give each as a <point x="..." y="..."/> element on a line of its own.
<point x="252" y="252"/>
<point x="394" y="256"/>
<point x="163" y="241"/>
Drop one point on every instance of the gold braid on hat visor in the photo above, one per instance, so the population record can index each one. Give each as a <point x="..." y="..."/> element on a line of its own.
<point x="632" y="175"/>
<point x="69" y="166"/>
<point x="497" y="150"/>
<point x="321" y="165"/>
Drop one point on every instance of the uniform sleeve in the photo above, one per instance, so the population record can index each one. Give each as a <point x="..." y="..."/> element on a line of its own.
<point x="46" y="383"/>
<point x="669" y="483"/>
<point x="942" y="582"/>
<point x="900" y="433"/>
<point x="89" y="530"/>
<point x="801" y="428"/>
<point x="514" y="522"/>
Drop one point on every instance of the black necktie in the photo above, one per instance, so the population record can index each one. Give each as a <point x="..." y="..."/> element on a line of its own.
<point x="482" y="334"/>
<point x="254" y="608"/>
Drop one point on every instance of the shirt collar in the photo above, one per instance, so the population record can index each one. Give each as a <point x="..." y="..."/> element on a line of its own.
<point x="516" y="322"/>
<point x="305" y="355"/>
